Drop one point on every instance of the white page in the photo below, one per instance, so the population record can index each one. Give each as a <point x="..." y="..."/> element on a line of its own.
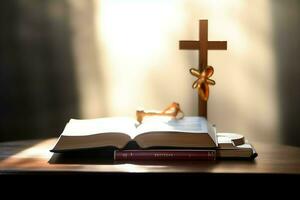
<point x="189" y="124"/>
<point x="83" y="127"/>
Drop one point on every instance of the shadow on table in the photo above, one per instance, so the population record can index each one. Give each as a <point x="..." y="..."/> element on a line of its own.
<point x="87" y="158"/>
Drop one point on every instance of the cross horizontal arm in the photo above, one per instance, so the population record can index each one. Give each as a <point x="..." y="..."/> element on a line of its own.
<point x="212" y="45"/>
<point x="189" y="44"/>
<point x="217" y="45"/>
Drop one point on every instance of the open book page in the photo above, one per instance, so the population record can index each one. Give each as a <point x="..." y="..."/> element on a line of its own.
<point x="189" y="124"/>
<point x="79" y="127"/>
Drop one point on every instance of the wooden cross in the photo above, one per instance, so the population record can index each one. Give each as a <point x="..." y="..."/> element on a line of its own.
<point x="203" y="45"/>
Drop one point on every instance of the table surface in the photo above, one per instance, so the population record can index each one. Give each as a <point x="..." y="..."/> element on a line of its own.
<point x="33" y="156"/>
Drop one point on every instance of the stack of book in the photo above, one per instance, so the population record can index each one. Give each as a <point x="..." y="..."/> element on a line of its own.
<point x="157" y="138"/>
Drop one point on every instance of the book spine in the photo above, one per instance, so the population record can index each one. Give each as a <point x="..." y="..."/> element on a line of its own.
<point x="155" y="155"/>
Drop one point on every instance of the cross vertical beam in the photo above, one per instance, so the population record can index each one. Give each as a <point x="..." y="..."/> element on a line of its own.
<point x="202" y="59"/>
<point x="203" y="29"/>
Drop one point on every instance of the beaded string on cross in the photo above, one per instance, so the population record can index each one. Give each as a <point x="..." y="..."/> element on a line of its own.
<point x="204" y="72"/>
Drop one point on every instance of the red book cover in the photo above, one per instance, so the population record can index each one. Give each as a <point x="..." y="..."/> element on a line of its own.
<point x="155" y="155"/>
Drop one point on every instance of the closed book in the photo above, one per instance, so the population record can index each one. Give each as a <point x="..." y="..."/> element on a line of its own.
<point x="164" y="155"/>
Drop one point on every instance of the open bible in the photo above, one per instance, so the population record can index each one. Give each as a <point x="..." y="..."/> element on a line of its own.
<point x="154" y="132"/>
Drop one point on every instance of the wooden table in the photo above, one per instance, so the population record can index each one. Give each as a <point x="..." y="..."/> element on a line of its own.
<point x="33" y="157"/>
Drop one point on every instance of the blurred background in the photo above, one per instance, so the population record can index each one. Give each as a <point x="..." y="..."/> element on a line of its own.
<point x="62" y="59"/>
